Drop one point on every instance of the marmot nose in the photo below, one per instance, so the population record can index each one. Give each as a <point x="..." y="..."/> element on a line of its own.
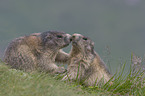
<point x="68" y="37"/>
<point x="76" y="36"/>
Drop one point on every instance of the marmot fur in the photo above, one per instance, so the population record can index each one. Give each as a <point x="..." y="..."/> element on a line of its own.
<point x="85" y="64"/>
<point x="38" y="51"/>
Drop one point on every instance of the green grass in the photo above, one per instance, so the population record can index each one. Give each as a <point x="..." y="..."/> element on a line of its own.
<point x="18" y="83"/>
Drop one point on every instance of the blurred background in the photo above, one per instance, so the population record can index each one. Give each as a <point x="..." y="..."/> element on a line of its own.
<point x="116" y="26"/>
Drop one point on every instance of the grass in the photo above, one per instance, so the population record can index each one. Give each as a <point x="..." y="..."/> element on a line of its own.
<point x="18" y="83"/>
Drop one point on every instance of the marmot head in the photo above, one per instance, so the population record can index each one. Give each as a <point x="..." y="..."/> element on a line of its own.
<point x="55" y="39"/>
<point x="82" y="43"/>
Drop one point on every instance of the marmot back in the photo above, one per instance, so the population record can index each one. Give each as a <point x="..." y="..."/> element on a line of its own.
<point x="38" y="51"/>
<point x="85" y="64"/>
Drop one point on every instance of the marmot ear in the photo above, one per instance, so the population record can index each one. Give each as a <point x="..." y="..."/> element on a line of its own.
<point x="45" y="37"/>
<point x="90" y="47"/>
<point x="48" y="36"/>
<point x="92" y="44"/>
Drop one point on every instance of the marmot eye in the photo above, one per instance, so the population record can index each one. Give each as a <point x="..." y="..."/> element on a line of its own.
<point x="59" y="36"/>
<point x="85" y="38"/>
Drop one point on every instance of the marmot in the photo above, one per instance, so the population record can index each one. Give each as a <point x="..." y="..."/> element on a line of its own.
<point x="85" y="64"/>
<point x="38" y="51"/>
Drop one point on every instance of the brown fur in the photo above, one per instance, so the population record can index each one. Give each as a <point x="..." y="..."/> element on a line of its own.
<point x="85" y="62"/>
<point x="38" y="51"/>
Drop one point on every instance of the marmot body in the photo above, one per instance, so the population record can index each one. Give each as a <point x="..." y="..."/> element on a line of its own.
<point x="85" y="64"/>
<point x="38" y="51"/>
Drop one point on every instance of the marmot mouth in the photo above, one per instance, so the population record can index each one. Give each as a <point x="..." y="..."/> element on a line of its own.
<point x="74" y="43"/>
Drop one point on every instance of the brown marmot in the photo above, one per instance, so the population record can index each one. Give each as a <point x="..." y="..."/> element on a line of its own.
<point x="38" y="51"/>
<point x="85" y="64"/>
